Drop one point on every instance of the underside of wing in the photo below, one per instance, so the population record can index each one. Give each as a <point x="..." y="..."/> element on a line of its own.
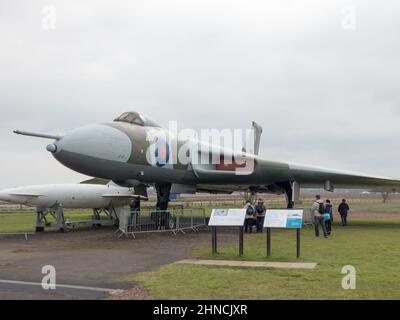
<point x="220" y="189"/>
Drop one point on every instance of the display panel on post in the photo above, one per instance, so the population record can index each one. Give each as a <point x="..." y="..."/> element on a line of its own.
<point x="227" y="218"/>
<point x="283" y="219"/>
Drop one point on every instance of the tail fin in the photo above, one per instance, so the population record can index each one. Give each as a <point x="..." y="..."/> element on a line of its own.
<point x="253" y="139"/>
<point x="257" y="137"/>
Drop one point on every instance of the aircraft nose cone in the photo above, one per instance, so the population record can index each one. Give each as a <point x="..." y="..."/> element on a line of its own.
<point x="4" y="196"/>
<point x="94" y="141"/>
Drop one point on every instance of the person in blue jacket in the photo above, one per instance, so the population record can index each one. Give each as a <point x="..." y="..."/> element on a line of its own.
<point x="328" y="216"/>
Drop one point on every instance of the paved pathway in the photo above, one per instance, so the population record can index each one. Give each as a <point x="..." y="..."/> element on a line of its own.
<point x="90" y="264"/>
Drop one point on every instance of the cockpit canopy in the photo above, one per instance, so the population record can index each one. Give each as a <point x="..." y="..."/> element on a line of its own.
<point x="136" y="118"/>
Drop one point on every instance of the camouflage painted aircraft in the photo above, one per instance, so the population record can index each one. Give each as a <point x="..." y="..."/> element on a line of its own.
<point x="133" y="151"/>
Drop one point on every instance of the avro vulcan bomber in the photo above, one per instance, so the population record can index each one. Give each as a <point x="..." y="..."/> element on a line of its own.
<point x="134" y="151"/>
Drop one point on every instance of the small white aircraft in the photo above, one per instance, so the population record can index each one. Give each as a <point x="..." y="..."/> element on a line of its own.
<point x="53" y="198"/>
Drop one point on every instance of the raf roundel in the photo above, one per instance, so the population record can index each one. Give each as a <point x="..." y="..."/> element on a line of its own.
<point x="161" y="153"/>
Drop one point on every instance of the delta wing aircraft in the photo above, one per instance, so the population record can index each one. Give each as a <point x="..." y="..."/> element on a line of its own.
<point x="134" y="151"/>
<point x="53" y="198"/>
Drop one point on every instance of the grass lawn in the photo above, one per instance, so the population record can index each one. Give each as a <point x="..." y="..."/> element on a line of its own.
<point x="17" y="222"/>
<point x="372" y="247"/>
<point x="25" y="221"/>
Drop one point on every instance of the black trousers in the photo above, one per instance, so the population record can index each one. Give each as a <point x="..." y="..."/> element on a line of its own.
<point x="344" y="219"/>
<point x="328" y="226"/>
<point x="260" y="224"/>
<point x="248" y="225"/>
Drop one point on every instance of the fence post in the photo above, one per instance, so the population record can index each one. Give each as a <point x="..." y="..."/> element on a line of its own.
<point x="241" y="241"/>
<point x="298" y="243"/>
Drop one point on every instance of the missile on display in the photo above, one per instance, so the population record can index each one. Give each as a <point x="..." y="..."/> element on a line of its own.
<point x="53" y="198"/>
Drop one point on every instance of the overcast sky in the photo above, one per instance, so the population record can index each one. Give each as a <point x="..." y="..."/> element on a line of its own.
<point x="321" y="77"/>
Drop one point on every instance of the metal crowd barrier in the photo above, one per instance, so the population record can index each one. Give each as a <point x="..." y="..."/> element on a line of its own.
<point x="176" y="220"/>
<point x="308" y="217"/>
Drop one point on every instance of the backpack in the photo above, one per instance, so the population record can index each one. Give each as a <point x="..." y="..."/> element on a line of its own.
<point x="327" y="217"/>
<point x="321" y="208"/>
<point x="249" y="211"/>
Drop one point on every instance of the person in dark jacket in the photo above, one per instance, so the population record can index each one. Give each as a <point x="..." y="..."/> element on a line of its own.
<point x="250" y="214"/>
<point x="343" y="211"/>
<point x="328" y="216"/>
<point x="260" y="212"/>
